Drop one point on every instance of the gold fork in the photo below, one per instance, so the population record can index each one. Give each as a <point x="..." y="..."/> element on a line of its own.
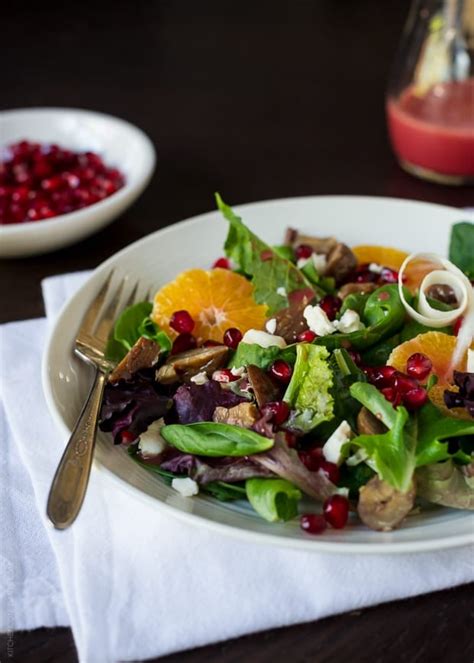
<point x="72" y="475"/>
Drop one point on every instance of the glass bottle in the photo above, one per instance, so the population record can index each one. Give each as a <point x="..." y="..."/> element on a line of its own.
<point x="430" y="99"/>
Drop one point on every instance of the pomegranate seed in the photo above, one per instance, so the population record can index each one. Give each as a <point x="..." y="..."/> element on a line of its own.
<point x="20" y="195"/>
<point x="279" y="411"/>
<point x="223" y="263"/>
<point x="415" y="398"/>
<point x="210" y="343"/>
<point x="336" y="511"/>
<point x="232" y="337"/>
<point x="384" y="296"/>
<point x="290" y="439"/>
<point x="331" y="470"/>
<point x="182" y="322"/>
<point x="281" y="371"/>
<point x="392" y="395"/>
<point x="457" y="326"/>
<point x="381" y="376"/>
<point x="126" y="437"/>
<point x="182" y="343"/>
<point x="303" y="251"/>
<point x="311" y="461"/>
<point x="265" y="255"/>
<point x="307" y="336"/>
<point x="419" y="366"/>
<point x="224" y="375"/>
<point x="312" y="523"/>
<point x="330" y="306"/>
<point x="402" y="383"/>
<point x="364" y="275"/>
<point x="388" y="275"/>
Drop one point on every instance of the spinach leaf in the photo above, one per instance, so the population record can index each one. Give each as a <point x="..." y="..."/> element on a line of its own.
<point x="412" y="328"/>
<point x="251" y="353"/>
<point x="309" y="390"/>
<point x="212" y="439"/>
<point x="131" y="324"/>
<point x="383" y="316"/>
<point x="461" y="247"/>
<point x="273" y="499"/>
<point x="266" y="268"/>
<point x="322" y="285"/>
<point x="149" y="329"/>
<point x="378" y="354"/>
<point x="356" y="301"/>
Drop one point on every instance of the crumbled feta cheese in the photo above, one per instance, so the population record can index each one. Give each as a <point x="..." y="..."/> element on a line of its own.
<point x="375" y="268"/>
<point x="470" y="361"/>
<point x="263" y="339"/>
<point x="200" y="378"/>
<point x="186" y="487"/>
<point x="281" y="291"/>
<point x="320" y="262"/>
<point x="238" y="371"/>
<point x="150" y="443"/>
<point x="343" y="491"/>
<point x="332" y="449"/>
<point x="301" y="262"/>
<point x="349" y="322"/>
<point x="318" y="321"/>
<point x="271" y="324"/>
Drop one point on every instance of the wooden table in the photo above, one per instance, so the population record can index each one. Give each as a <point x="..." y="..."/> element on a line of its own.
<point x="257" y="100"/>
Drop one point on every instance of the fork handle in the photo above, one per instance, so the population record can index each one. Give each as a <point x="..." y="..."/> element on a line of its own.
<point x="72" y="476"/>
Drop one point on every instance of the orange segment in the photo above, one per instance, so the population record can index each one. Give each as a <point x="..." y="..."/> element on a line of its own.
<point x="216" y="299"/>
<point x="438" y="346"/>
<point x="382" y="255"/>
<point x="436" y="395"/>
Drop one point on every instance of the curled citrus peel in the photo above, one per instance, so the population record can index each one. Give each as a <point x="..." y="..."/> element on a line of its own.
<point x="431" y="317"/>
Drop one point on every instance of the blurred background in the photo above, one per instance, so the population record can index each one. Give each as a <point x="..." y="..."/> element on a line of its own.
<point x="255" y="99"/>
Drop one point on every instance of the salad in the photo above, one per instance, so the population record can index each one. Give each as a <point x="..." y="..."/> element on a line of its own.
<point x="311" y="379"/>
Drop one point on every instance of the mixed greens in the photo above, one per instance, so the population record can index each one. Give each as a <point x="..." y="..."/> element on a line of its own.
<point x="342" y="396"/>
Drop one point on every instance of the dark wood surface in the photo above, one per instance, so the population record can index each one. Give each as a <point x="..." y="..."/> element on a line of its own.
<point x="257" y="100"/>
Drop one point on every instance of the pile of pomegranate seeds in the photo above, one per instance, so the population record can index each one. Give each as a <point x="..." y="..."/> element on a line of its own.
<point x="39" y="181"/>
<point x="400" y="388"/>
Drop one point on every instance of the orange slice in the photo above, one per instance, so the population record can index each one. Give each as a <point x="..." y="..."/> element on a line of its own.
<point x="439" y="347"/>
<point x="216" y="299"/>
<point x="382" y="255"/>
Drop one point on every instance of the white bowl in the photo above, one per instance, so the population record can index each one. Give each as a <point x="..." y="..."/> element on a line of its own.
<point x="119" y="143"/>
<point x="197" y="242"/>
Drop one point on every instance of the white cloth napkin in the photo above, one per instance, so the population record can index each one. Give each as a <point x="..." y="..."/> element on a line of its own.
<point x="135" y="583"/>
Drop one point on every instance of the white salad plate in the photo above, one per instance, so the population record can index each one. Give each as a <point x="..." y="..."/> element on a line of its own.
<point x="197" y="242"/>
<point x="119" y="143"/>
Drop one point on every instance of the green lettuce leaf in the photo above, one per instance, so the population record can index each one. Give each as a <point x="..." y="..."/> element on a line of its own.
<point x="309" y="391"/>
<point x="461" y="247"/>
<point x="434" y="426"/>
<point x="393" y="452"/>
<point x="273" y="499"/>
<point x="267" y="269"/>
